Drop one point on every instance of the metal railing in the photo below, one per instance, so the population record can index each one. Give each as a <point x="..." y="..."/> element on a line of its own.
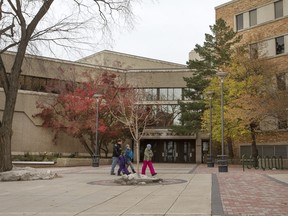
<point x="263" y="163"/>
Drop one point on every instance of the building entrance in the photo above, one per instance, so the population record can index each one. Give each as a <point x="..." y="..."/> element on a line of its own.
<point x="171" y="151"/>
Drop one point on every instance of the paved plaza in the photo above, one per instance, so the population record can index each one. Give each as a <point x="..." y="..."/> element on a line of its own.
<point x="187" y="189"/>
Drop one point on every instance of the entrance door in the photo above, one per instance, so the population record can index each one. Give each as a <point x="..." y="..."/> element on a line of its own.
<point x="170" y="151"/>
<point x="189" y="155"/>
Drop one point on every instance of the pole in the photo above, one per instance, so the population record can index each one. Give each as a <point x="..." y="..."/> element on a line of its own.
<point x="210" y="162"/>
<point x="95" y="157"/>
<point x="222" y="117"/>
<point x="96" y="139"/>
<point x="222" y="161"/>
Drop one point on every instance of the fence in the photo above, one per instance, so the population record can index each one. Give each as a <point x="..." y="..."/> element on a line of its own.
<point x="263" y="163"/>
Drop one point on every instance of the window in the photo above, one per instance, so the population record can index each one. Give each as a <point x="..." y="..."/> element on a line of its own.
<point x="163" y="94"/>
<point x="254" y="51"/>
<point x="151" y="94"/>
<point x="239" y="22"/>
<point x="281" y="81"/>
<point x="253" y="17"/>
<point x="278" y="9"/>
<point x="279" y="44"/>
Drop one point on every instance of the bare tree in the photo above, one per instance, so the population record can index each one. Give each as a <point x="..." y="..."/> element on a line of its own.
<point x="25" y="22"/>
<point x="134" y="113"/>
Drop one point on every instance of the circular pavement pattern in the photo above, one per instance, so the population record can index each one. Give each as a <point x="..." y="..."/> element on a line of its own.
<point x="113" y="183"/>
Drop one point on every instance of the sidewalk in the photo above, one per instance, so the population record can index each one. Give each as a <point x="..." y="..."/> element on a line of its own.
<point x="187" y="189"/>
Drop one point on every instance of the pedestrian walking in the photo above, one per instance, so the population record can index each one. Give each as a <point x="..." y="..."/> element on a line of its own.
<point x="129" y="158"/>
<point x="117" y="148"/>
<point x="122" y="165"/>
<point x="148" y="154"/>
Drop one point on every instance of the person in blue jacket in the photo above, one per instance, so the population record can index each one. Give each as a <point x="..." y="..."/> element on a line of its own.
<point x="129" y="157"/>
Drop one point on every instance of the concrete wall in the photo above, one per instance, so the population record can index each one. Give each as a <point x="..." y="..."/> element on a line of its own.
<point x="158" y="78"/>
<point x="29" y="136"/>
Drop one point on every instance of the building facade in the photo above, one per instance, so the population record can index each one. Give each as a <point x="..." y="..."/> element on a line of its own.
<point x="162" y="80"/>
<point x="264" y="26"/>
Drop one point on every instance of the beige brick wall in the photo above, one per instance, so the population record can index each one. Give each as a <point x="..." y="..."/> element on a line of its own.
<point x="229" y="10"/>
<point x="262" y="32"/>
<point x="259" y="32"/>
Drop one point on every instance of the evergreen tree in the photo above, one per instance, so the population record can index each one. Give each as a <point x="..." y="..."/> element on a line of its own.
<point x="215" y="54"/>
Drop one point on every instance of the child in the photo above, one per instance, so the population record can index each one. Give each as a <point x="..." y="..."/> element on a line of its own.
<point x="129" y="157"/>
<point x="122" y="165"/>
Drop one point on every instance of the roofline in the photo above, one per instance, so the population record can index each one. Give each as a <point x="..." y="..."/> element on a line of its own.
<point x="76" y="63"/>
<point x="133" y="56"/>
<point x="225" y="4"/>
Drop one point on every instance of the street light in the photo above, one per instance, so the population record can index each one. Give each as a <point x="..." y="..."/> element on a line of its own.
<point x="95" y="156"/>
<point x="210" y="162"/>
<point x="222" y="161"/>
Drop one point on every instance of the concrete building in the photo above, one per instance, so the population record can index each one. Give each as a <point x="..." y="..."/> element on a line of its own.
<point x="264" y="26"/>
<point x="163" y="80"/>
<point x="263" y="23"/>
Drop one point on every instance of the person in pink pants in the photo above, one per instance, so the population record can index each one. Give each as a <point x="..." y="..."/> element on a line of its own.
<point x="148" y="154"/>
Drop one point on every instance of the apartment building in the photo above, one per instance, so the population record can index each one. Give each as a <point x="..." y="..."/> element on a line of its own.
<point x="264" y="26"/>
<point x="162" y="80"/>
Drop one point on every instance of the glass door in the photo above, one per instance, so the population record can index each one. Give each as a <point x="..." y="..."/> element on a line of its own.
<point x="170" y="151"/>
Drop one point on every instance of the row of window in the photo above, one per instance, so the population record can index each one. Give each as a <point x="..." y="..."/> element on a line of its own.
<point x="164" y="94"/>
<point x="41" y="84"/>
<point x="169" y="114"/>
<point x="256" y="49"/>
<point x="278" y="12"/>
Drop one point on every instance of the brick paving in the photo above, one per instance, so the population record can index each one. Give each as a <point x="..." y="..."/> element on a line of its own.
<point x="250" y="192"/>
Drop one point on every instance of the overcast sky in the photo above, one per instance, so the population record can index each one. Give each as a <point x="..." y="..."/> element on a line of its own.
<point x="167" y="29"/>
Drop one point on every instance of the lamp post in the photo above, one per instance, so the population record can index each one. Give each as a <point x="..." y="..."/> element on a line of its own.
<point x="210" y="162"/>
<point x="222" y="160"/>
<point x="95" y="156"/>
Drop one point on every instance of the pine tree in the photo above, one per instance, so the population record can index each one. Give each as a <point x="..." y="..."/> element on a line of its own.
<point x="215" y="54"/>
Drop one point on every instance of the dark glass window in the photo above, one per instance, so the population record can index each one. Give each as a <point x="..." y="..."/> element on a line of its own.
<point x="254" y="51"/>
<point x="278" y="9"/>
<point x="253" y="17"/>
<point x="239" y="22"/>
<point x="279" y="43"/>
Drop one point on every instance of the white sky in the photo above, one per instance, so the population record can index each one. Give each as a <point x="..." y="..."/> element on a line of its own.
<point x="167" y="29"/>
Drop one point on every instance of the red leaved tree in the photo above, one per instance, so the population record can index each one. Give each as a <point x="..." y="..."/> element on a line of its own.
<point x="73" y="111"/>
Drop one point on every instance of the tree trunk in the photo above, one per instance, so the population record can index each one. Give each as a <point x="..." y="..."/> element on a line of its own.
<point x="5" y="149"/>
<point x="11" y="84"/>
<point x="230" y="147"/>
<point x="86" y="146"/>
<point x="138" y="156"/>
<point x="253" y="145"/>
<point x="8" y="113"/>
